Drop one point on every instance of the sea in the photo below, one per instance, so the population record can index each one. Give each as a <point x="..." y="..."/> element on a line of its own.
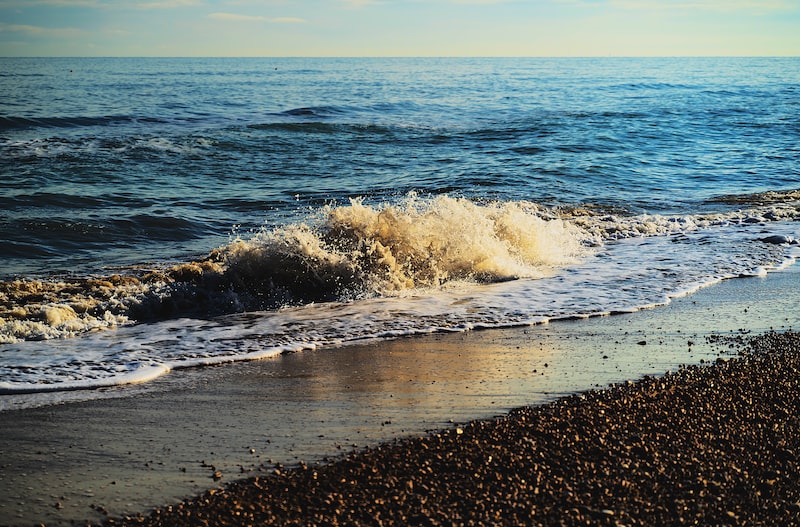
<point x="166" y="213"/>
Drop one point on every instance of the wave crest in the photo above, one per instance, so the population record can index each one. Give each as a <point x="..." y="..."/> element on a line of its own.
<point x="347" y="252"/>
<point x="368" y="250"/>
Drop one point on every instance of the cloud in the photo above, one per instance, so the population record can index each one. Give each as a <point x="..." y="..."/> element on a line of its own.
<point x="700" y="5"/>
<point x="237" y="18"/>
<point x="154" y="4"/>
<point x="481" y="2"/>
<point x="76" y="3"/>
<point x="360" y="3"/>
<point x="39" y="31"/>
<point x="287" y="20"/>
<point x="53" y="3"/>
<point x="168" y="4"/>
<point x="249" y="18"/>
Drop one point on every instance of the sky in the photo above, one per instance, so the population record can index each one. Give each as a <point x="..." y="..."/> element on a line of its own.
<point x="287" y="28"/>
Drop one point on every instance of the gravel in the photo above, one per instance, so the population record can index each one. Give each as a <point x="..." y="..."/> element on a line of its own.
<point x="714" y="444"/>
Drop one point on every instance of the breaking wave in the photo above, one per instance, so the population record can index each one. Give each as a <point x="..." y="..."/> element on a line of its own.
<point x="361" y="249"/>
<point x="344" y="253"/>
<point x="352" y="252"/>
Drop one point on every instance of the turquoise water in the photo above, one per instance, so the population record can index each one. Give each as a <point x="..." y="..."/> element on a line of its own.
<point x="219" y="209"/>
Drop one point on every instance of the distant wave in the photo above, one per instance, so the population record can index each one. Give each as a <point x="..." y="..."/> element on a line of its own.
<point x="327" y="111"/>
<point x="23" y="123"/>
<point x="313" y="111"/>
<point x="84" y="121"/>
<point x="635" y="86"/>
<point x="75" y="147"/>
<point x="78" y="121"/>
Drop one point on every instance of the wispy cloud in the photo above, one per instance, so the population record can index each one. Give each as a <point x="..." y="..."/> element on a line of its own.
<point x="706" y="5"/>
<point x="75" y="3"/>
<point x="168" y="4"/>
<point x="702" y="5"/>
<point x="287" y="20"/>
<point x="360" y="3"/>
<point x="237" y="18"/>
<point x="154" y="4"/>
<point x="39" y="31"/>
<point x="481" y="2"/>
<point x="250" y="18"/>
<point x="54" y="3"/>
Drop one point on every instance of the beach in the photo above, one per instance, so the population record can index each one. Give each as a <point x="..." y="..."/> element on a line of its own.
<point x="705" y="446"/>
<point x="224" y="267"/>
<point x="213" y="268"/>
<point x="283" y="419"/>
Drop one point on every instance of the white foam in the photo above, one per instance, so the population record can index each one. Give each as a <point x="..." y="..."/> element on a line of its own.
<point x="123" y="374"/>
<point x="415" y="243"/>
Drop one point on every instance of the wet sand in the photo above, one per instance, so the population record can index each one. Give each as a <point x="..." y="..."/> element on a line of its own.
<point x="148" y="446"/>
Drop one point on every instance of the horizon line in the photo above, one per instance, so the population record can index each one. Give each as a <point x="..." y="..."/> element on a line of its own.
<point x="388" y="56"/>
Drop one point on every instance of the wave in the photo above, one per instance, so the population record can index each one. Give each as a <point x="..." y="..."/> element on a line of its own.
<point x="50" y="235"/>
<point x="300" y="114"/>
<point x="26" y="123"/>
<point x="761" y="198"/>
<point x="346" y="252"/>
<point x="418" y="243"/>
<point x="67" y="147"/>
<point x="651" y="86"/>
<point x="765" y="207"/>
<point x="314" y="111"/>
<point x="352" y="252"/>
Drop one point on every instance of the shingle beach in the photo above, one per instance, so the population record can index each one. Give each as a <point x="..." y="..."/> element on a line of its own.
<point x="711" y="444"/>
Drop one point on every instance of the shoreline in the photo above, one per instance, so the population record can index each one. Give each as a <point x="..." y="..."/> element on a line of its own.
<point x="187" y="433"/>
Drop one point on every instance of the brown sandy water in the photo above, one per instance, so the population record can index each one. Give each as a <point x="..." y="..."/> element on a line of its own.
<point x="167" y="440"/>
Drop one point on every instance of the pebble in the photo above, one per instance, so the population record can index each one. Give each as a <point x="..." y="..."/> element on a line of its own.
<point x="717" y="444"/>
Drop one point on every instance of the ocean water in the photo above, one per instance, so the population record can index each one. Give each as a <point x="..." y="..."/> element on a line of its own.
<point x="157" y="214"/>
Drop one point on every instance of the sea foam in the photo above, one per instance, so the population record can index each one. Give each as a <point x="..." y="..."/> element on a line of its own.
<point x="365" y="249"/>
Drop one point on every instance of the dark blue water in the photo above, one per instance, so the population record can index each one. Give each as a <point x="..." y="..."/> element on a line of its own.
<point x="522" y="177"/>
